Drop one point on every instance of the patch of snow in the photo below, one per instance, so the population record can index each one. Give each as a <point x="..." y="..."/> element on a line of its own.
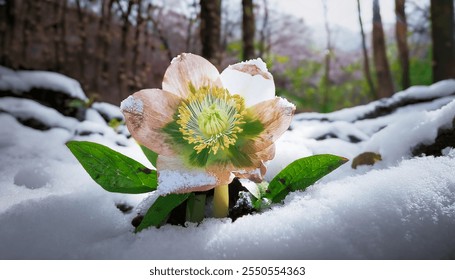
<point x="108" y="110"/>
<point x="93" y="116"/>
<point x="440" y="89"/>
<point x="25" y="109"/>
<point x="399" y="208"/>
<point x="32" y="177"/>
<point x="132" y="105"/>
<point x="396" y="140"/>
<point x="23" y="81"/>
<point x="88" y="127"/>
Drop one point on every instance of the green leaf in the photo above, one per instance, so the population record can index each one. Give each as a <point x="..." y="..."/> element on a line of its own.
<point x="301" y="174"/>
<point x="150" y="155"/>
<point x="160" y="210"/>
<point x="113" y="171"/>
<point x="195" y="207"/>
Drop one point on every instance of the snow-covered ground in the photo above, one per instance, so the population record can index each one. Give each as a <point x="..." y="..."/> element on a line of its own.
<point x="403" y="207"/>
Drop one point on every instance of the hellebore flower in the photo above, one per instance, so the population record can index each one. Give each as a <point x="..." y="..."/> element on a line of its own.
<point x="208" y="128"/>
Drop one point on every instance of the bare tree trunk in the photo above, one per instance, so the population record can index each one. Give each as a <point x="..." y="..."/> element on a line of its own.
<point x="83" y="37"/>
<point x="442" y="29"/>
<point x="99" y="43"/>
<point x="401" y="30"/>
<point x="385" y="84"/>
<point x="148" y="46"/>
<point x="189" y="31"/>
<point x="106" y="42"/>
<point x="211" y="30"/>
<point x="10" y="31"/>
<point x="135" y="81"/>
<point x="56" y="38"/>
<point x="40" y="38"/>
<point x="263" y="32"/>
<point x="366" y="60"/>
<point x="248" y="29"/>
<point x="160" y="33"/>
<point x="327" y="59"/>
<point x="122" y="71"/>
<point x="26" y="32"/>
<point x="62" y="59"/>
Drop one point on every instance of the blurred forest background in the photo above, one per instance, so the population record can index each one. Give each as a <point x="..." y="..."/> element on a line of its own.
<point x="116" y="47"/>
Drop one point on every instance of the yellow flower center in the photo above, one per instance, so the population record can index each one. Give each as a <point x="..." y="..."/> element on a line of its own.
<point x="210" y="118"/>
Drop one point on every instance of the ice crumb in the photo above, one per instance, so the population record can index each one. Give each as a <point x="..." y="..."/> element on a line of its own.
<point x="132" y="105"/>
<point x="256" y="62"/>
<point x="171" y="181"/>
<point x="284" y="103"/>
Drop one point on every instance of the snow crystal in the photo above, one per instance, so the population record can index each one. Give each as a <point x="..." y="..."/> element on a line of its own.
<point x="170" y="181"/>
<point x="132" y="105"/>
<point x="284" y="103"/>
<point x="258" y="62"/>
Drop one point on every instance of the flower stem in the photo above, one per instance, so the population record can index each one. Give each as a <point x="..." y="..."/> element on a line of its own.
<point x="221" y="201"/>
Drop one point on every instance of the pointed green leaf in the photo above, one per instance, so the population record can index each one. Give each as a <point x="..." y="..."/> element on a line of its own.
<point x="150" y="155"/>
<point x="160" y="209"/>
<point x="301" y="174"/>
<point x="113" y="171"/>
<point x="195" y="207"/>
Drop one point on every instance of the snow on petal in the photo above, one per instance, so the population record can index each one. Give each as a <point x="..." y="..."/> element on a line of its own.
<point x="146" y="113"/>
<point x="174" y="177"/>
<point x="251" y="80"/>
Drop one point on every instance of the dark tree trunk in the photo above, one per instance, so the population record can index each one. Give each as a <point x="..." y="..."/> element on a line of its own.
<point x="26" y="32"/>
<point x="123" y="68"/>
<point x="211" y="30"/>
<point x="135" y="81"/>
<point x="248" y="29"/>
<point x="401" y="30"/>
<point x="83" y="43"/>
<point x="159" y="32"/>
<point x="366" y="60"/>
<point x="263" y="32"/>
<point x="9" y="33"/>
<point x="106" y="42"/>
<point x="385" y="84"/>
<point x="99" y="43"/>
<point x="62" y="59"/>
<point x="442" y="29"/>
<point x="327" y="60"/>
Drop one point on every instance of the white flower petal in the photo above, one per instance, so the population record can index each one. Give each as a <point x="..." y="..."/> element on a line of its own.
<point x="251" y="80"/>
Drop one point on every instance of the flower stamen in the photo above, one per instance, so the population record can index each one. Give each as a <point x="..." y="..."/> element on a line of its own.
<point x="210" y="119"/>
